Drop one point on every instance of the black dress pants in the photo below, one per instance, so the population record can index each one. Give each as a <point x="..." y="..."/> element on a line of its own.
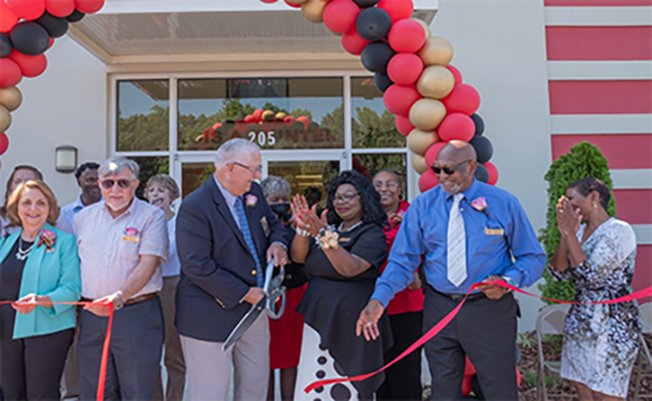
<point x="403" y="379"/>
<point x="31" y="368"/>
<point x="485" y="330"/>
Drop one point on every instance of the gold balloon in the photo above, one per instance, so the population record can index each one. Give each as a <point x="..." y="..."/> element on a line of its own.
<point x="10" y="97"/>
<point x="435" y="82"/>
<point x="268" y="115"/>
<point x="5" y="119"/>
<point x="419" y="141"/>
<point x="426" y="114"/>
<point x="296" y="2"/>
<point x="280" y="114"/>
<point x="436" y="51"/>
<point x="419" y="164"/>
<point x="313" y="10"/>
<point x="424" y="25"/>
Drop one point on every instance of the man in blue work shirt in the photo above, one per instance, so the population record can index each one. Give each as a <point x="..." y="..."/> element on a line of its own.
<point x="467" y="232"/>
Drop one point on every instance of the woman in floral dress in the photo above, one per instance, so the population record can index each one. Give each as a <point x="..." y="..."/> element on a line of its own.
<point x="600" y="341"/>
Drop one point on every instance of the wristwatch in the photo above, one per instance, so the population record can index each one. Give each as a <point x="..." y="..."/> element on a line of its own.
<point x="121" y="301"/>
<point x="509" y="281"/>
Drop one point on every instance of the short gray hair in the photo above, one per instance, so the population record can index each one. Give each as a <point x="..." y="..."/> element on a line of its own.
<point x="233" y="147"/>
<point x="275" y="185"/>
<point x="115" y="165"/>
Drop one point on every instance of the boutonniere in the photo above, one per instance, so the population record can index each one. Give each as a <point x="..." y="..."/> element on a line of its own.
<point x="480" y="204"/>
<point x="47" y="238"/>
<point x="251" y="200"/>
<point x="131" y="234"/>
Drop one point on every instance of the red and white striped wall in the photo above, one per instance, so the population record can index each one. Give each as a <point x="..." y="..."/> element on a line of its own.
<point x="599" y="56"/>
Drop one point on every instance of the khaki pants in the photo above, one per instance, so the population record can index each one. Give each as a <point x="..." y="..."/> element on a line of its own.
<point x="173" y="357"/>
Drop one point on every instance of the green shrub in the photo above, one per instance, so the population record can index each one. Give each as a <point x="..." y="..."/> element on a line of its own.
<point x="582" y="161"/>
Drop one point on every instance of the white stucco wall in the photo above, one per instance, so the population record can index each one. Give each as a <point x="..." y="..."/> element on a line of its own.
<point x="500" y="50"/>
<point x="66" y="105"/>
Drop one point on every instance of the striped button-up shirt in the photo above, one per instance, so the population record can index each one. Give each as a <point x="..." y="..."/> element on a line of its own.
<point x="110" y="248"/>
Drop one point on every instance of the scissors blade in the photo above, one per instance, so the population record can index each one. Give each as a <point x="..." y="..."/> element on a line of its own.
<point x="243" y="325"/>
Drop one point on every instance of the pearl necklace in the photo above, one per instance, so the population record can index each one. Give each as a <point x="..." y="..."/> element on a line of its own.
<point x="22" y="254"/>
<point x="340" y="228"/>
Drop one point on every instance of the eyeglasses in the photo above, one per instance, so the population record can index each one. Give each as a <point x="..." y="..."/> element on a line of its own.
<point x="253" y="171"/>
<point x="448" y="170"/>
<point x="122" y="183"/>
<point x="389" y="185"/>
<point x="347" y="197"/>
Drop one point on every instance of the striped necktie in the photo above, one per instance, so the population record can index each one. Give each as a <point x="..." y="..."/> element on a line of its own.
<point x="456" y="244"/>
<point x="244" y="227"/>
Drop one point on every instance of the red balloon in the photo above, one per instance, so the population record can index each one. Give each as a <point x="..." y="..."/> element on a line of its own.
<point x="7" y="18"/>
<point x="340" y="15"/>
<point x="209" y="133"/>
<point x="4" y="143"/>
<point x="428" y="180"/>
<point x="250" y="119"/>
<point x="399" y="98"/>
<point x="403" y="125"/>
<point x="30" y="66"/>
<point x="431" y="153"/>
<point x="51" y="43"/>
<point x="289" y="120"/>
<point x="493" y="173"/>
<point x="88" y="6"/>
<point x="456" y="126"/>
<point x="258" y="115"/>
<point x="456" y="74"/>
<point x="60" y="8"/>
<point x="9" y="73"/>
<point x="304" y="120"/>
<point x="353" y="42"/>
<point x="407" y="36"/>
<point x="27" y="9"/>
<point x="295" y="5"/>
<point x="405" y="68"/>
<point x="216" y="126"/>
<point x="462" y="99"/>
<point x="397" y="9"/>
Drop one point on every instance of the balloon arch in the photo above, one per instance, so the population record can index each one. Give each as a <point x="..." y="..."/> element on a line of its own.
<point x="412" y="68"/>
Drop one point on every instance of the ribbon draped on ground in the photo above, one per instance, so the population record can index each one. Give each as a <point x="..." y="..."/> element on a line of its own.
<point x="646" y="292"/>
<point x="105" y="350"/>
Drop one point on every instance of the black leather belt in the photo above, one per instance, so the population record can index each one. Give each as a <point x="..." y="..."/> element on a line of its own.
<point x="459" y="297"/>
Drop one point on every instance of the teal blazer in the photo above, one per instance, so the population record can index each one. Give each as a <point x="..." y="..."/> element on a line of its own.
<point x="55" y="274"/>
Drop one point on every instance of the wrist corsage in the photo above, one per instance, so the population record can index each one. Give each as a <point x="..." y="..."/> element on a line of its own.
<point x="328" y="238"/>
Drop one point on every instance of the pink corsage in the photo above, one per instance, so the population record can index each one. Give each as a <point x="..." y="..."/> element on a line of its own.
<point x="251" y="200"/>
<point x="131" y="231"/>
<point x="480" y="204"/>
<point x="47" y="238"/>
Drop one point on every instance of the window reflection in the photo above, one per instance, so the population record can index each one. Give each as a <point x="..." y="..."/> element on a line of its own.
<point x="143" y="115"/>
<point x="309" y="178"/>
<point x="276" y="113"/>
<point x="193" y="175"/>
<point x="150" y="166"/>
<point x="372" y="126"/>
<point x="370" y="164"/>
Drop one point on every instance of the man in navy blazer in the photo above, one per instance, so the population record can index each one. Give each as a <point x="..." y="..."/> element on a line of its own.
<point x="226" y="233"/>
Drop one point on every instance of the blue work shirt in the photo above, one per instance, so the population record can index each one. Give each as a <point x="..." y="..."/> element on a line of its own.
<point x="491" y="241"/>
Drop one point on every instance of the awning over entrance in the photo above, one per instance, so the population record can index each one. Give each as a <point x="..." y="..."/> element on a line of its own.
<point x="172" y="31"/>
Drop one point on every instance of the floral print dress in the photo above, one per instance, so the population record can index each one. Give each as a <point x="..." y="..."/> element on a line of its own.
<point x="601" y="341"/>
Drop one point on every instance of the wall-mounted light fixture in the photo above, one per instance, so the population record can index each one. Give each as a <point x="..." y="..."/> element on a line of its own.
<point x="65" y="159"/>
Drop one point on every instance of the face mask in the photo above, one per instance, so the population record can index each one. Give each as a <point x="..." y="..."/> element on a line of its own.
<point x="281" y="210"/>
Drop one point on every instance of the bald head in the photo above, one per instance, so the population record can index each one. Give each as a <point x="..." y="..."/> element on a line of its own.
<point x="457" y="150"/>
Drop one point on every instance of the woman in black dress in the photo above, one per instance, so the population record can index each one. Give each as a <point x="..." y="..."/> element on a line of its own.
<point x="342" y="257"/>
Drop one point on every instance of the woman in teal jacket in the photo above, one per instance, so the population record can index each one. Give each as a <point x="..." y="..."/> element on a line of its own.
<point x="39" y="268"/>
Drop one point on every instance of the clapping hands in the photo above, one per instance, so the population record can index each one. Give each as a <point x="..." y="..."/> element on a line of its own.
<point x="306" y="217"/>
<point x="568" y="219"/>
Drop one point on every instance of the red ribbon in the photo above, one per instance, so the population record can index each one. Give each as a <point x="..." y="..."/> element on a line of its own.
<point x="646" y="292"/>
<point x="105" y="350"/>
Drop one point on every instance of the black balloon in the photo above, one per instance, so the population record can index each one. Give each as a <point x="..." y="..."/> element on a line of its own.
<point x="30" y="38"/>
<point x="382" y="81"/>
<point x="375" y="56"/>
<point x="5" y="45"/>
<point x="76" y="16"/>
<point x="365" y="3"/>
<point x="483" y="148"/>
<point x="373" y="24"/>
<point x="55" y="26"/>
<point x="479" y="124"/>
<point x="481" y="173"/>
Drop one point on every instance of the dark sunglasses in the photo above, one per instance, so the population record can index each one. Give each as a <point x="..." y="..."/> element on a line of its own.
<point x="109" y="183"/>
<point x="448" y="170"/>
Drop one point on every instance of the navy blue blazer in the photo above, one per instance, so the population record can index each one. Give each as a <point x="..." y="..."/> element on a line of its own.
<point x="217" y="268"/>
